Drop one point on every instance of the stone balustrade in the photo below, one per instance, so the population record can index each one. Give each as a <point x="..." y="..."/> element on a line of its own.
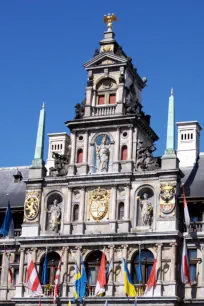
<point x="196" y="227"/>
<point x="103" y="110"/>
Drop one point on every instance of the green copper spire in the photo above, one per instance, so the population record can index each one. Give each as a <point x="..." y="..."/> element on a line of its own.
<point x="170" y="142"/>
<point x="39" y="148"/>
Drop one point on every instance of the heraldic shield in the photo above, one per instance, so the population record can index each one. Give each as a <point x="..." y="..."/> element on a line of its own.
<point x="98" y="204"/>
<point x="167" y="198"/>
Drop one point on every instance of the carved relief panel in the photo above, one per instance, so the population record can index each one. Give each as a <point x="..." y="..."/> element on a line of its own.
<point x="167" y="199"/>
<point x="98" y="204"/>
<point x="32" y="206"/>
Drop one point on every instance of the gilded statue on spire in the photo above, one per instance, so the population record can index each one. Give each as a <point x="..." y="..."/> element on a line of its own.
<point x="109" y="20"/>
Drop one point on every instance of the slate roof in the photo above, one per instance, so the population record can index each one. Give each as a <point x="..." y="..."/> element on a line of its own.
<point x="16" y="191"/>
<point x="194" y="179"/>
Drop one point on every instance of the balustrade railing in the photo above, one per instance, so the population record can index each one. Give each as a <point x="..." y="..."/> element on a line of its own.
<point x="104" y="110"/>
<point x="17" y="232"/>
<point x="91" y="290"/>
<point x="196" y="227"/>
<point x="48" y="290"/>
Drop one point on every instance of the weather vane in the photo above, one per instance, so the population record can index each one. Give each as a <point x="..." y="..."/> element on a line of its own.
<point x="109" y="20"/>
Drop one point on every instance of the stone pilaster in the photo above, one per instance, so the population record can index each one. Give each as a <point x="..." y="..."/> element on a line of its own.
<point x="111" y="272"/>
<point x="65" y="271"/>
<point x="117" y="151"/>
<point x="4" y="277"/>
<point x="157" y="291"/>
<point x="71" y="170"/>
<point x="81" y="211"/>
<point x="68" y="212"/>
<point x="19" y="286"/>
<point x="113" y="208"/>
<point x="88" y="102"/>
<point x="91" y="158"/>
<point x="126" y="221"/>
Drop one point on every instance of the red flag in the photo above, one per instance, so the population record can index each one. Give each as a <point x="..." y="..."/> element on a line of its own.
<point x="186" y="213"/>
<point x="57" y="279"/>
<point x="33" y="282"/>
<point x="152" y="278"/>
<point x="185" y="274"/>
<point x="101" y="280"/>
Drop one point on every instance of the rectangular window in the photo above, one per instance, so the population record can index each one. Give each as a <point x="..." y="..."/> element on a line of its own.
<point x="192" y="257"/>
<point x="101" y="100"/>
<point x="112" y="99"/>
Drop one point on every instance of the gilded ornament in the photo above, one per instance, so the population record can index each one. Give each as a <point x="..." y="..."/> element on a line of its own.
<point x="31" y="207"/>
<point x="109" y="20"/>
<point x="107" y="48"/>
<point x="98" y="204"/>
<point x="167" y="197"/>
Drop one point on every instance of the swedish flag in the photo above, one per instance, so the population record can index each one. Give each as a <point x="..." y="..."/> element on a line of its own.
<point x="128" y="284"/>
<point x="77" y="283"/>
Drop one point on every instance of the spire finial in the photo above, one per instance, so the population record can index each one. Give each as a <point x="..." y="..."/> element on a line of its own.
<point x="172" y="91"/>
<point x="43" y="105"/>
<point x="109" y="20"/>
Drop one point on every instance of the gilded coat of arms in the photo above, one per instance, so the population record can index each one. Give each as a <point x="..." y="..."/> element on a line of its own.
<point x="167" y="197"/>
<point x="31" y="206"/>
<point x="98" y="204"/>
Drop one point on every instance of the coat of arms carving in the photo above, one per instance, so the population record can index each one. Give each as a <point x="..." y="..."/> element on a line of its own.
<point x="98" y="204"/>
<point x="32" y="206"/>
<point x="167" y="197"/>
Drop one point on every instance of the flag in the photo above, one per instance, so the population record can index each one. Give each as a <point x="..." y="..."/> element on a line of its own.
<point x="152" y="277"/>
<point x="101" y="279"/>
<point x="83" y="281"/>
<point x="7" y="228"/>
<point x="108" y="269"/>
<point x="69" y="303"/>
<point x="32" y="280"/>
<point x="44" y="277"/>
<point x="77" y="283"/>
<point x="57" y="279"/>
<point x="186" y="213"/>
<point x="185" y="274"/>
<point x="9" y="268"/>
<point x="128" y="284"/>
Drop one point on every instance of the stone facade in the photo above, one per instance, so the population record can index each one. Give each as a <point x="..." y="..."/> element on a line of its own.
<point x="103" y="191"/>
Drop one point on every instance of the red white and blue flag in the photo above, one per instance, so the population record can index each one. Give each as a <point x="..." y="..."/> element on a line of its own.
<point x="101" y="280"/>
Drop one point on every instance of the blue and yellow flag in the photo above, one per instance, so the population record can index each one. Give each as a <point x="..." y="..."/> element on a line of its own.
<point x="128" y="284"/>
<point x="77" y="283"/>
<point x="83" y="281"/>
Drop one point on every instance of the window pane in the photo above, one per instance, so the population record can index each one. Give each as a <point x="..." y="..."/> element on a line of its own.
<point x="193" y="272"/>
<point x="149" y="269"/>
<point x="192" y="254"/>
<point x="112" y="99"/>
<point x="92" y="276"/>
<point x="101" y="100"/>
<point x="194" y="218"/>
<point x="124" y="153"/>
<point x="121" y="211"/>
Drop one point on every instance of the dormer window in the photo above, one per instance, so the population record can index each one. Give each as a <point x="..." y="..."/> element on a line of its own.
<point x="106" y="92"/>
<point x="17" y="176"/>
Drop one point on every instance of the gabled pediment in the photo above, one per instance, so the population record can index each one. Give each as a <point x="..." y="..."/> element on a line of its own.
<point x="105" y="59"/>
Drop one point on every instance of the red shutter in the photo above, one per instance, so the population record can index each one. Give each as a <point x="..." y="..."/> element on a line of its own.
<point x="80" y="156"/>
<point x="124" y="153"/>
<point x="101" y="100"/>
<point x="112" y="99"/>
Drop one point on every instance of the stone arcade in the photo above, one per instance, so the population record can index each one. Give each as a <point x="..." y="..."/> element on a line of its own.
<point x="101" y="189"/>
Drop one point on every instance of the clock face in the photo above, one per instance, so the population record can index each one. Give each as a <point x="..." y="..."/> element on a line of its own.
<point x="31" y="208"/>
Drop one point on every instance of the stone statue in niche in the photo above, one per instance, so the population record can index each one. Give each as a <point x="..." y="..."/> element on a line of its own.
<point x="54" y="216"/>
<point x="145" y="160"/>
<point x="60" y="166"/>
<point x="102" y="155"/>
<point x="146" y="210"/>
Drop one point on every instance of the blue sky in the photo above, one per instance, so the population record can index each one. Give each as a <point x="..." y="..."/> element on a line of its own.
<point x="44" y="43"/>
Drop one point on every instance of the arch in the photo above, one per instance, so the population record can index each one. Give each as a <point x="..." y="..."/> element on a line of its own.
<point x="121" y="207"/>
<point x="111" y="77"/>
<point x="141" y="266"/>
<point x="75" y="212"/>
<point x="50" y="198"/>
<point x="139" y="196"/>
<point x="93" y="140"/>
<point x="124" y="152"/>
<point x="79" y="156"/>
<point x="53" y="261"/>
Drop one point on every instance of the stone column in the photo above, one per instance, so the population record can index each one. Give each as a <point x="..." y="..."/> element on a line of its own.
<point x="173" y="262"/>
<point x="4" y="277"/>
<point x="81" y="211"/>
<point x="91" y="158"/>
<point x="130" y="144"/>
<point x="113" y="208"/>
<point x="88" y="101"/>
<point x="65" y="270"/>
<point x="157" y="291"/>
<point x="116" y="151"/>
<point x="73" y="153"/>
<point x="127" y="203"/>
<point x="67" y="219"/>
<point x="85" y="147"/>
<point x="111" y="272"/>
<point x="94" y="98"/>
<point x="19" y="286"/>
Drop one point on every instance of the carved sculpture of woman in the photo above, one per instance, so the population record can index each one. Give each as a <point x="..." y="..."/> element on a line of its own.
<point x="146" y="210"/>
<point x="55" y="214"/>
<point x="102" y="154"/>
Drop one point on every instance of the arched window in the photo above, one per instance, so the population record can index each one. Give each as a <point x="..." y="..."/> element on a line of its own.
<point x="147" y="259"/>
<point x="53" y="261"/>
<point x="92" y="268"/>
<point x="76" y="212"/>
<point x="120" y="211"/>
<point x="106" y="92"/>
<point x="80" y="156"/>
<point x="124" y="153"/>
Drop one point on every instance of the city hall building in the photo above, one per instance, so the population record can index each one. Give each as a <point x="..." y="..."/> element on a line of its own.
<point x="102" y="189"/>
